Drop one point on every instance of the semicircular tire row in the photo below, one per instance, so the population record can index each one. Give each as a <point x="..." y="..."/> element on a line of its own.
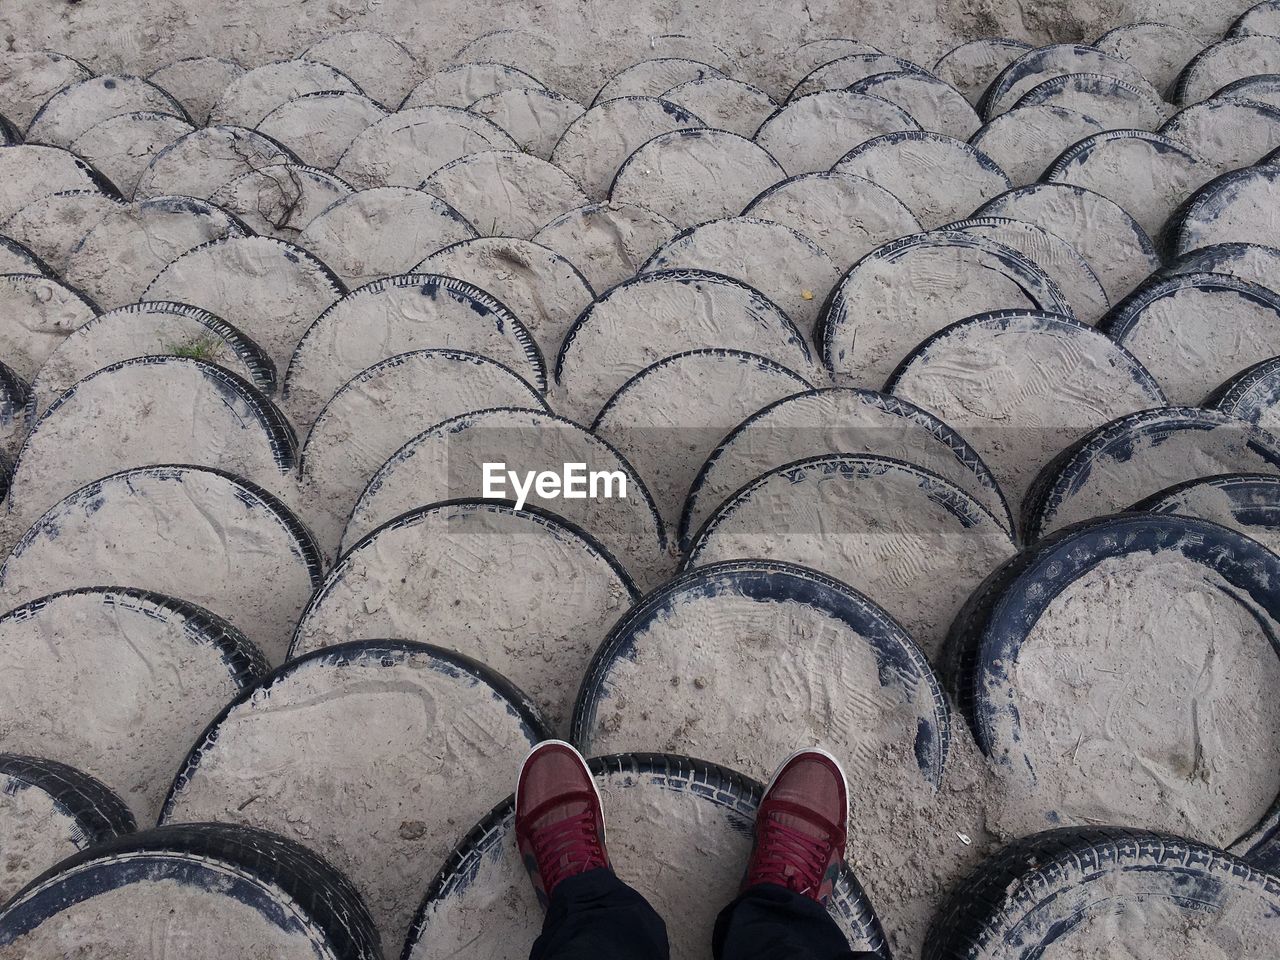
<point x="315" y="99"/>
<point x="250" y="193"/>
<point x="702" y="245"/>
<point x="356" y="484"/>
<point x="691" y="243"/>
<point x="210" y="273"/>
<point x="321" y="691"/>
<point x="1102" y="464"/>
<point x="328" y="708"/>
<point x="650" y="644"/>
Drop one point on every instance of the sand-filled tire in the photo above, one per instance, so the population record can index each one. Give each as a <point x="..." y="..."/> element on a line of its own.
<point x="878" y="312"/>
<point x="149" y="411"/>
<point x="123" y="145"/>
<point x="846" y="216"/>
<point x="135" y="675"/>
<point x="15" y="406"/>
<point x="197" y="164"/>
<point x="692" y="176"/>
<point x="541" y="287"/>
<point x="1061" y="261"/>
<point x="74" y="109"/>
<point x="114" y="261"/>
<point x="1195" y="330"/>
<point x="1036" y="891"/>
<point x="604" y="242"/>
<point x="450" y="460"/>
<point x="282" y="199"/>
<point x="1261" y="18"/>
<point x="100" y="812"/>
<point x="17" y="258"/>
<point x="1158" y="50"/>
<point x="40" y="313"/>
<point x="306" y="907"/>
<point x="761" y="625"/>
<point x="394" y="315"/>
<point x="1242" y="206"/>
<point x="404" y="148"/>
<point x="53" y="225"/>
<point x="404" y="716"/>
<point x="1255" y="262"/>
<point x="465" y="83"/>
<point x="933" y="103"/>
<point x="1118" y="104"/>
<point x="1105" y="234"/>
<point x="843" y="72"/>
<point x="387" y="405"/>
<point x="668" y="418"/>
<point x="837" y="420"/>
<point x="651" y="78"/>
<point x="197" y="83"/>
<point x="1248" y="503"/>
<point x="248" y="98"/>
<point x="1146" y="174"/>
<point x="30" y="78"/>
<point x="482" y="898"/>
<point x="972" y="66"/>
<point x="270" y="289"/>
<point x="1220" y="63"/>
<point x="1020" y="385"/>
<point x="533" y="600"/>
<point x="1044" y="63"/>
<point x="1040" y="725"/>
<point x="383" y="67"/>
<point x="1228" y="132"/>
<point x="535" y="119"/>
<point x="938" y="178"/>
<point x="381" y="232"/>
<point x="1137" y="455"/>
<point x="597" y="143"/>
<point x="782" y="263"/>
<point x="50" y="811"/>
<point x="1252" y="395"/>
<point x="1026" y="139"/>
<point x="226" y="544"/>
<point x="31" y="172"/>
<point x="147" y="329"/>
<point x="885" y="527"/>
<point x="505" y="193"/>
<point x="657" y="315"/>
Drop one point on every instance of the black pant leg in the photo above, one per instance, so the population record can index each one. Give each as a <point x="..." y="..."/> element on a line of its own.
<point x="594" y="916"/>
<point x="769" y="922"/>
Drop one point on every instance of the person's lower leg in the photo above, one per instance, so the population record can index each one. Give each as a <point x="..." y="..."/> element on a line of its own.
<point x="591" y="913"/>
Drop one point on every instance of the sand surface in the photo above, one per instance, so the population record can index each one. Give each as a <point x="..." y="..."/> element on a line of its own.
<point x="911" y="842"/>
<point x="592" y="42"/>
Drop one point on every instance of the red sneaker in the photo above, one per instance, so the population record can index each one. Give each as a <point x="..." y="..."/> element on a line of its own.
<point x="559" y="818"/>
<point x="801" y="826"/>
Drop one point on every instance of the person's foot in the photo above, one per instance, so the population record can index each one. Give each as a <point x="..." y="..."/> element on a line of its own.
<point x="559" y="819"/>
<point x="801" y="826"/>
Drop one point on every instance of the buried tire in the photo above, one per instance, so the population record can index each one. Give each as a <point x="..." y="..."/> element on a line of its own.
<point x="1044" y="895"/>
